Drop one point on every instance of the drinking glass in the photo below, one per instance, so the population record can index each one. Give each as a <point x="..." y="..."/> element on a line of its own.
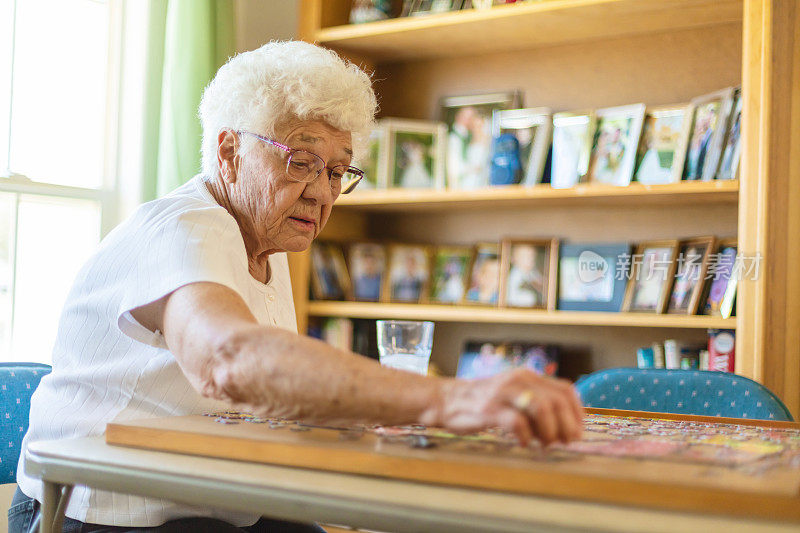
<point x="405" y="344"/>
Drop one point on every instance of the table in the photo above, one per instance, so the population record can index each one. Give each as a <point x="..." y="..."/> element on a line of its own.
<point x="336" y="498"/>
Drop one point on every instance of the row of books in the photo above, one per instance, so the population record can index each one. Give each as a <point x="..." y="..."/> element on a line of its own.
<point x="718" y="355"/>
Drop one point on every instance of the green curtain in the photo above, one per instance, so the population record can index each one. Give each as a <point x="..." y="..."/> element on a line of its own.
<point x="188" y="41"/>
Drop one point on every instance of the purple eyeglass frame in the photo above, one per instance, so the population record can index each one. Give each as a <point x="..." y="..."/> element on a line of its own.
<point x="352" y="185"/>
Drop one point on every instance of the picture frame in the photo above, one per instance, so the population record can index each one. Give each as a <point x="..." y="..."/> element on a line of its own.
<point x="483" y="287"/>
<point x="450" y="268"/>
<point x="408" y="273"/>
<point x="573" y="132"/>
<point x="717" y="296"/>
<point x="532" y="131"/>
<point x="732" y="147"/>
<point x="709" y="122"/>
<point x="468" y="121"/>
<point x="329" y="277"/>
<point x="645" y="292"/>
<point x="427" y="7"/>
<point x="416" y="153"/>
<point x="615" y="143"/>
<point x="662" y="149"/>
<point x="482" y="359"/>
<point x="527" y="273"/>
<point x="375" y="160"/>
<point x="690" y="272"/>
<point x="592" y="277"/>
<point x="366" y="262"/>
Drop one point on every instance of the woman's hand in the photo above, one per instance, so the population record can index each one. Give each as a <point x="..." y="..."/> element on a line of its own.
<point x="520" y="401"/>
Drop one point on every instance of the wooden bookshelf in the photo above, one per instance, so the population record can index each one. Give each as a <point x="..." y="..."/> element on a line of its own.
<point x="519" y="26"/>
<point x="576" y="54"/>
<point x="681" y="193"/>
<point x="494" y="315"/>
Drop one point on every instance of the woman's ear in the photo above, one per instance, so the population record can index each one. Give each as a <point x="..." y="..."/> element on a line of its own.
<point x="227" y="143"/>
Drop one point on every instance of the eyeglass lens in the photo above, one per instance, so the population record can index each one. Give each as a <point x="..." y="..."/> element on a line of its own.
<point x="305" y="167"/>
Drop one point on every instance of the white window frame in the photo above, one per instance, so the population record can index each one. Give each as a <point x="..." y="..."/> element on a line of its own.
<point x="106" y="195"/>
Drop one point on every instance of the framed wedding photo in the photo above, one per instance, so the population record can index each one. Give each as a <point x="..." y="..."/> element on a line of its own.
<point x="366" y="262"/>
<point x="329" y="278"/>
<point x="449" y="277"/>
<point x="690" y="273"/>
<point x="484" y="278"/>
<point x="651" y="273"/>
<point x="415" y="153"/>
<point x="522" y="139"/>
<point x="409" y="273"/>
<point x="616" y="140"/>
<point x="527" y="273"/>
<point x="468" y="120"/>
<point x="710" y="121"/>
<point x="572" y="146"/>
<point x="662" y="150"/>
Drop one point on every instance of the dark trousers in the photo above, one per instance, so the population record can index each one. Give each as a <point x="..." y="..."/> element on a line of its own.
<point x="23" y="512"/>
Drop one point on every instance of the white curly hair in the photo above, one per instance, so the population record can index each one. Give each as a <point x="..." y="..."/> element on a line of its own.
<point x="284" y="80"/>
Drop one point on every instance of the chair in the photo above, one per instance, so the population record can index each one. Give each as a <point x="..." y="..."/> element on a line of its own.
<point x="695" y="392"/>
<point x="17" y="383"/>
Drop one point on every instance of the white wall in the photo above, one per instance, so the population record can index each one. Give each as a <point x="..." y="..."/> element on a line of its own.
<point x="260" y="21"/>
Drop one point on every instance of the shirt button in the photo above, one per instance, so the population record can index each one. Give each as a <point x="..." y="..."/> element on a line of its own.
<point x="271" y="297"/>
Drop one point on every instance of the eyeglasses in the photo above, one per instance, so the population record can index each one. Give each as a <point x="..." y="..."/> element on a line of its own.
<point x="305" y="167"/>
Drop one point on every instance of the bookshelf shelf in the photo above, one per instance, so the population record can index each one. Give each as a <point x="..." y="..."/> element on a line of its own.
<point x="681" y="193"/>
<point x="526" y="25"/>
<point x="490" y="315"/>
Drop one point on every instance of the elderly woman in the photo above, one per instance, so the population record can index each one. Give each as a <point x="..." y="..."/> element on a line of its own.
<point x="187" y="308"/>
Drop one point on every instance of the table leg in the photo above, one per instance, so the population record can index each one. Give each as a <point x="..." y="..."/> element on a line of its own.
<point x="55" y="498"/>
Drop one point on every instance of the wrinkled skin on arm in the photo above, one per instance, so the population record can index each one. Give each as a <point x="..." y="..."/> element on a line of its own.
<point x="228" y="356"/>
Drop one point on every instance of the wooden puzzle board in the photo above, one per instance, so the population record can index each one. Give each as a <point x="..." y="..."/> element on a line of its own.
<point x="665" y="461"/>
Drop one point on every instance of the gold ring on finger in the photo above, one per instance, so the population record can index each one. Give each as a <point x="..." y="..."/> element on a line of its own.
<point x="523" y="400"/>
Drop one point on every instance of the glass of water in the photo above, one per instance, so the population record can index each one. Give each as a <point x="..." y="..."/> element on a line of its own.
<point x="405" y="344"/>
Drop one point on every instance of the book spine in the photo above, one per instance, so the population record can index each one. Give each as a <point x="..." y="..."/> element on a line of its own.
<point x="658" y="355"/>
<point x="672" y="354"/>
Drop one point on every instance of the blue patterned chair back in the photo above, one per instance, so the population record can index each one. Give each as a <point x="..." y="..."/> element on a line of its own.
<point x="691" y="392"/>
<point x="17" y="383"/>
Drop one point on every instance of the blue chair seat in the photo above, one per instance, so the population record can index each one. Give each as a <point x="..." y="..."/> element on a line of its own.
<point x="17" y="383"/>
<point x="695" y="392"/>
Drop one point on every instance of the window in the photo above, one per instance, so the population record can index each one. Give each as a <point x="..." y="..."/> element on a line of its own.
<point x="57" y="158"/>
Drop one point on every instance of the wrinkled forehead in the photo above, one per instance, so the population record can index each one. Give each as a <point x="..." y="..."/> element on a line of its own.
<point x="316" y="135"/>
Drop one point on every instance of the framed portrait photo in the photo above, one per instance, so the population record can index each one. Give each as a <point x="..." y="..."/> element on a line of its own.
<point x="572" y="146"/>
<point x="468" y="120"/>
<point x="616" y="140"/>
<point x="375" y="160"/>
<point x="521" y="141"/>
<point x="366" y="262"/>
<point x="329" y="278"/>
<point x="409" y="273"/>
<point x="415" y="153"/>
<point x="719" y="277"/>
<point x="527" y="273"/>
<point x="651" y="273"/>
<point x="662" y="150"/>
<point x="710" y="120"/>
<point x="731" y="151"/>
<point x="592" y="277"/>
<point x="690" y="274"/>
<point x="484" y="275"/>
<point x="449" y="276"/>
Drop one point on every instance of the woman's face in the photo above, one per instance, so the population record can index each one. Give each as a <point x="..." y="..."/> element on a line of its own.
<point x="281" y="214"/>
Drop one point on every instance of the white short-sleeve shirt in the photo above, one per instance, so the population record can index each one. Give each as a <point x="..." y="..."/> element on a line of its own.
<point x="107" y="367"/>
